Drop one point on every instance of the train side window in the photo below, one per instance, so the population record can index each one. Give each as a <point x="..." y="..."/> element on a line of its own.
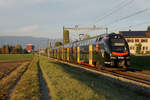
<point x="97" y="39"/>
<point x="100" y="38"/>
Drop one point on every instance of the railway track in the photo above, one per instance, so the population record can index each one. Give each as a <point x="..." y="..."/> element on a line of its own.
<point x="136" y="76"/>
<point x="141" y="78"/>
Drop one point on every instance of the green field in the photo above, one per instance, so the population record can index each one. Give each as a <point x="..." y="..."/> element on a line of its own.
<point x="15" y="57"/>
<point x="69" y="83"/>
<point x="142" y="62"/>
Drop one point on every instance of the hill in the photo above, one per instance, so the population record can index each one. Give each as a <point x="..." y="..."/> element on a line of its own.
<point x="23" y="40"/>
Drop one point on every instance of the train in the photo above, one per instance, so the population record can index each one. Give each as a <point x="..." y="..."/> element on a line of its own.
<point x="105" y="50"/>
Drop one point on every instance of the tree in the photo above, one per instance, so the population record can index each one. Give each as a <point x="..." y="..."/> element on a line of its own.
<point x="148" y="29"/>
<point x="58" y="44"/>
<point x="138" y="48"/>
<point x="18" y="49"/>
<point x="5" y="49"/>
<point x="0" y="50"/>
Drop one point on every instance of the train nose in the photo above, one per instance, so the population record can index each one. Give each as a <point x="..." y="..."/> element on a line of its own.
<point x="120" y="54"/>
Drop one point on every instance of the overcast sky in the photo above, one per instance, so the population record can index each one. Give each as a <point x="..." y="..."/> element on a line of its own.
<point x="45" y="18"/>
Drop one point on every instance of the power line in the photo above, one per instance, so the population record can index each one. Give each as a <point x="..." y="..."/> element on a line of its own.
<point x="115" y="9"/>
<point x="145" y="22"/>
<point x="142" y="23"/>
<point x="131" y="15"/>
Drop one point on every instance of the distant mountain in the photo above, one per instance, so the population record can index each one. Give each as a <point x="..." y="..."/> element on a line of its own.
<point x="23" y="40"/>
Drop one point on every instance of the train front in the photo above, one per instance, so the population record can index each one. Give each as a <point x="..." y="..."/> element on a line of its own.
<point x="119" y="51"/>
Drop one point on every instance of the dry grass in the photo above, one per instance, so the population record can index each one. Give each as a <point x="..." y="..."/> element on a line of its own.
<point x="28" y="87"/>
<point x="68" y="83"/>
<point x="7" y="82"/>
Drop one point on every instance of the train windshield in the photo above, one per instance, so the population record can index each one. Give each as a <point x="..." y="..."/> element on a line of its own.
<point x="118" y="45"/>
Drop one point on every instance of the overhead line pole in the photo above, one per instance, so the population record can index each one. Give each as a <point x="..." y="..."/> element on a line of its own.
<point x="48" y="47"/>
<point x="86" y="28"/>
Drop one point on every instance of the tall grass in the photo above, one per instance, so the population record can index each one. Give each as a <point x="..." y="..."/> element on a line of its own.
<point x="142" y="62"/>
<point x="28" y="87"/>
<point x="69" y="83"/>
<point x="16" y="56"/>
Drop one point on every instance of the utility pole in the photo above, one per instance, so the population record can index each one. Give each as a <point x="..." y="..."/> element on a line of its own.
<point x="39" y="50"/>
<point x="48" y="47"/>
<point x="106" y="30"/>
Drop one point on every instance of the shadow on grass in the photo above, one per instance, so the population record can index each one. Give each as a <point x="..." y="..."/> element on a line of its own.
<point x="142" y="62"/>
<point x="101" y="86"/>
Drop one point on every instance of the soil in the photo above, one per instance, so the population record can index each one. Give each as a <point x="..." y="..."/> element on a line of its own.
<point x="6" y="67"/>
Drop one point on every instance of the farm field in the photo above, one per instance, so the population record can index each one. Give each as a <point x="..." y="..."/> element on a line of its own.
<point x="28" y="88"/>
<point x="10" y="57"/>
<point x="10" y="62"/>
<point x="45" y="79"/>
<point x="9" y="81"/>
<point x="69" y="83"/>
<point x="6" y="68"/>
<point x="19" y="75"/>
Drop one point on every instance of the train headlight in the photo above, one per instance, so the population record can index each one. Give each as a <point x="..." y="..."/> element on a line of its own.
<point x="112" y="57"/>
<point x="120" y="57"/>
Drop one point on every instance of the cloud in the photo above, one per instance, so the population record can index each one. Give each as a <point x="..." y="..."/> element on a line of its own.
<point x="6" y="3"/>
<point x="13" y="3"/>
<point x="31" y="28"/>
<point x="34" y="1"/>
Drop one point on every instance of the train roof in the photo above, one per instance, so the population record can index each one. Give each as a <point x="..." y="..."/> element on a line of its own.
<point x="86" y="41"/>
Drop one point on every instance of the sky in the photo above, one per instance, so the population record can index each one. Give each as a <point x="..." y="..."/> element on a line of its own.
<point x="46" y="18"/>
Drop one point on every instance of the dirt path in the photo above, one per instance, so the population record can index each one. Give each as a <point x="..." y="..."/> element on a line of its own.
<point x="43" y="86"/>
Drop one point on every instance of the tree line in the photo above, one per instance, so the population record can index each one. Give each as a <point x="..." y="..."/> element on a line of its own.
<point x="8" y="49"/>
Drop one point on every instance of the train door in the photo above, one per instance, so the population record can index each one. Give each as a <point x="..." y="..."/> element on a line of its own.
<point x="62" y="53"/>
<point x="91" y="55"/>
<point x="78" y="54"/>
<point x="67" y="54"/>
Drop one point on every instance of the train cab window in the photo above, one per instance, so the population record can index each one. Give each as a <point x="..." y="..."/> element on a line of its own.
<point x="97" y="39"/>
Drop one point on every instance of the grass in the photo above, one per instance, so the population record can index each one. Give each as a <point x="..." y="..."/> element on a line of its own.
<point x="69" y="83"/>
<point x="28" y="88"/>
<point x="15" y="57"/>
<point x="7" y="82"/>
<point x="142" y="62"/>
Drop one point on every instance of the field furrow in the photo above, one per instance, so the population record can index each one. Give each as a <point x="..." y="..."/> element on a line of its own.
<point x="28" y="88"/>
<point x="7" y="83"/>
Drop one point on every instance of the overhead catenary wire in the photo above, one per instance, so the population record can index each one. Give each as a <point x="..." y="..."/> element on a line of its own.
<point x="131" y="15"/>
<point x="133" y="25"/>
<point x="142" y="23"/>
<point x="115" y="10"/>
